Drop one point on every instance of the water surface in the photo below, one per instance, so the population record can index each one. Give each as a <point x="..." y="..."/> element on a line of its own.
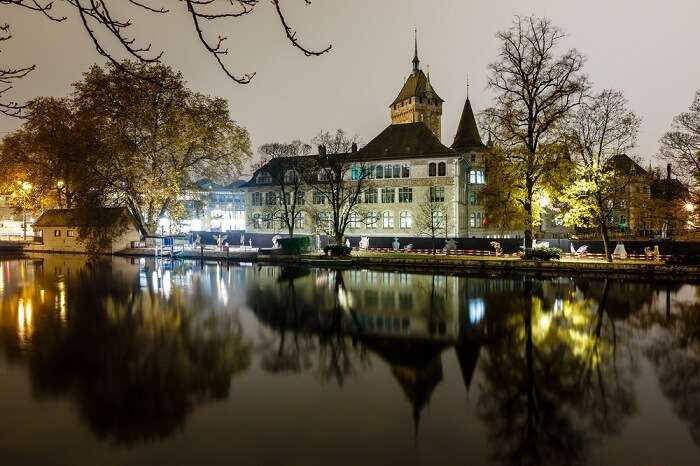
<point x="142" y="362"/>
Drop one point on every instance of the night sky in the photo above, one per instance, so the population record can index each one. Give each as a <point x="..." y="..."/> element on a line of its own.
<point x="646" y="48"/>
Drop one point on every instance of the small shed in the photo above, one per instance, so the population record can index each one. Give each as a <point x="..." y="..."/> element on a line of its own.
<point x="58" y="230"/>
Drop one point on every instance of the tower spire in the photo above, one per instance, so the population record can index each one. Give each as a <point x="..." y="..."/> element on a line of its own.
<point x="415" y="50"/>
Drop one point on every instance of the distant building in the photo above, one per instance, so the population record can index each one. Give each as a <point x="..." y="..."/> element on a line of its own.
<point x="408" y="164"/>
<point x="12" y="222"/>
<point x="214" y="207"/>
<point x="57" y="230"/>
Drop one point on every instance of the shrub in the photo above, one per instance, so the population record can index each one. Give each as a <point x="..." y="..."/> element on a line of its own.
<point x="336" y="250"/>
<point x="296" y="245"/>
<point x="542" y="254"/>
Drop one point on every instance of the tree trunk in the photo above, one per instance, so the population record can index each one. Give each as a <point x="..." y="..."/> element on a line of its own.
<point x="604" y="235"/>
<point x="528" y="227"/>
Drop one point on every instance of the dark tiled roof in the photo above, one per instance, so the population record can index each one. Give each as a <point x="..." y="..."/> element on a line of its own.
<point x="404" y="140"/>
<point x="625" y="164"/>
<point x="105" y="216"/>
<point x="272" y="167"/>
<point x="677" y="188"/>
<point x="417" y="85"/>
<point x="467" y="136"/>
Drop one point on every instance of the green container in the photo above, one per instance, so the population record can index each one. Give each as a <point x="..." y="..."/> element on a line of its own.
<point x="296" y="245"/>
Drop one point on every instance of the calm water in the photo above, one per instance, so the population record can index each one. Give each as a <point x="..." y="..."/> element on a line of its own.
<point x="148" y="363"/>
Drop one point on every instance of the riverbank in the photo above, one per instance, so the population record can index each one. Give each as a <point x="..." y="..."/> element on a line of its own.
<point x="447" y="264"/>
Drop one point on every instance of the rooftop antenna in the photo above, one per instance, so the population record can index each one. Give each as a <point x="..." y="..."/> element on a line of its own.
<point x="467" y="85"/>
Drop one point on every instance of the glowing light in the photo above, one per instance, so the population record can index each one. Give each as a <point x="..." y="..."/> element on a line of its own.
<point x="689" y="207"/>
<point x="477" y="309"/>
<point x="24" y="319"/>
<point x="544" y="201"/>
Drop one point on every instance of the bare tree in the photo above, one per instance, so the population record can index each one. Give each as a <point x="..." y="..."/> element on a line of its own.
<point x="339" y="178"/>
<point x="681" y="145"/>
<point x="432" y="217"/>
<point x="535" y="89"/>
<point x="287" y="163"/>
<point x="108" y="23"/>
<point x="601" y="128"/>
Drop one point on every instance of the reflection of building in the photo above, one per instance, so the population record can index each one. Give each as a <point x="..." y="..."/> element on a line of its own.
<point x="214" y="207"/>
<point x="408" y="167"/>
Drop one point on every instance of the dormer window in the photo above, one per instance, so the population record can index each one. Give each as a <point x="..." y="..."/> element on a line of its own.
<point x="291" y="176"/>
<point x="264" y="178"/>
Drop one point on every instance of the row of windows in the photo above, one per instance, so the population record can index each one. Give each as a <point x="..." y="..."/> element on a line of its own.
<point x="437" y="169"/>
<point x="369" y="196"/>
<point x="379" y="172"/>
<point x="428" y="101"/>
<point x="371" y="220"/>
<point x="69" y="233"/>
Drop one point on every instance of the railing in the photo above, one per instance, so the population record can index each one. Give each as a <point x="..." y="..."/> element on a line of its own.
<point x="458" y="252"/>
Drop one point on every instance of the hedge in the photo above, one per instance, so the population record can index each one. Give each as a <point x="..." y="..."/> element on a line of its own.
<point x="296" y="245"/>
<point x="542" y="254"/>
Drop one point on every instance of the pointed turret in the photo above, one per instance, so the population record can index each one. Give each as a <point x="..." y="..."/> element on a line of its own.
<point x="416" y="62"/>
<point x="467" y="137"/>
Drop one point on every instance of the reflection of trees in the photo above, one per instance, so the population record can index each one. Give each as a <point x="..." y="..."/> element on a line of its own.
<point x="552" y="382"/>
<point x="675" y="354"/>
<point x="298" y="312"/>
<point x="135" y="363"/>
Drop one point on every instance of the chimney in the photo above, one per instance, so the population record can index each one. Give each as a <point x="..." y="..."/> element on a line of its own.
<point x="353" y="147"/>
<point x="668" y="171"/>
<point x="668" y="182"/>
<point x="321" y="149"/>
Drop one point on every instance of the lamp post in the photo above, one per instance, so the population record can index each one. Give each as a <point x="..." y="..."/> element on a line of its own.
<point x="25" y="187"/>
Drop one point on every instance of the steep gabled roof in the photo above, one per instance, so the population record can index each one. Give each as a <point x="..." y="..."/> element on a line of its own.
<point x="100" y="217"/>
<point x="417" y="85"/>
<point x="404" y="140"/>
<point x="467" y="136"/>
<point x="624" y="164"/>
<point x="663" y="187"/>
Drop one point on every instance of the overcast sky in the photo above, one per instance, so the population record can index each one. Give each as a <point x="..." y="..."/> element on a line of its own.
<point x="646" y="48"/>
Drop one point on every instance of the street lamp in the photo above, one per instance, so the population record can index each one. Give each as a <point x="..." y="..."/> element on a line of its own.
<point x="25" y="187"/>
<point x="689" y="207"/>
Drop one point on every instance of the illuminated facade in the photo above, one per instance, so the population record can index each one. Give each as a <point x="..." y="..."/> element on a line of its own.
<point x="214" y="207"/>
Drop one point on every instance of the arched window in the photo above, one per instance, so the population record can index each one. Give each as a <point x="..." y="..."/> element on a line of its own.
<point x="387" y="171"/>
<point x="388" y="218"/>
<point x="371" y="220"/>
<point x="432" y="169"/>
<point x="442" y="169"/>
<point x="405" y="219"/>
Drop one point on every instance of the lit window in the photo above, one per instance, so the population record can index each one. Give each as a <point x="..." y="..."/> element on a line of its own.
<point x="388" y="195"/>
<point x="371" y="220"/>
<point x="353" y="220"/>
<point x="438" y="219"/>
<point x="70" y="233"/>
<point x="371" y="196"/>
<point x="300" y="220"/>
<point x="388" y="219"/>
<point x="405" y="219"/>
<point x="57" y="232"/>
<point x="476" y="177"/>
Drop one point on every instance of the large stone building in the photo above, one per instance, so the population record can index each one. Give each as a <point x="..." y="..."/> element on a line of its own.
<point x="409" y="167"/>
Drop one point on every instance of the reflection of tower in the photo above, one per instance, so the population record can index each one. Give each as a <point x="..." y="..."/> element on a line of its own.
<point x="416" y="365"/>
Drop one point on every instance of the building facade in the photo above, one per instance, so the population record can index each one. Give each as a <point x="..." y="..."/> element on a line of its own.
<point x="214" y="207"/>
<point x="409" y="167"/>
